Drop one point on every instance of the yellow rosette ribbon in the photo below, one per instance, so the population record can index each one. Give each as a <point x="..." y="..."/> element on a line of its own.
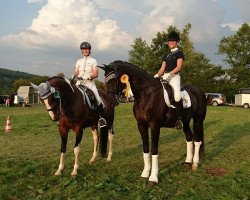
<point x="125" y="79"/>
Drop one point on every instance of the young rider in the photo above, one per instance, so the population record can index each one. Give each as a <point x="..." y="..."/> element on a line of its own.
<point x="170" y="69"/>
<point x="86" y="70"/>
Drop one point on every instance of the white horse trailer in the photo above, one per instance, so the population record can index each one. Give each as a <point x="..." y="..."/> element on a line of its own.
<point x="243" y="98"/>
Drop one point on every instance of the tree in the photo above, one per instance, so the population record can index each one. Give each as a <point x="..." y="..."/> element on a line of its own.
<point x="26" y="82"/>
<point x="100" y="85"/>
<point x="60" y="75"/>
<point x="236" y="48"/>
<point x="139" y="53"/>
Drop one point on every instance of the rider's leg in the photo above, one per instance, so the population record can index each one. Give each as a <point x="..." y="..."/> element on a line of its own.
<point x="175" y="83"/>
<point x="100" y="110"/>
<point x="100" y="107"/>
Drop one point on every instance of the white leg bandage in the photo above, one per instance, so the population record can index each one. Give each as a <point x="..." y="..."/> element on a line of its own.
<point x="196" y="153"/>
<point x="76" y="165"/>
<point x="154" y="172"/>
<point x="189" y="157"/>
<point x="61" y="165"/>
<point x="147" y="165"/>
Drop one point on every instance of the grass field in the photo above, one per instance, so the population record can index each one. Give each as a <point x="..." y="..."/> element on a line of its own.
<point x="29" y="157"/>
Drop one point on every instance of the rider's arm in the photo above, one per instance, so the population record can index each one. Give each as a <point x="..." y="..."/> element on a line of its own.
<point x="162" y="69"/>
<point x="76" y="71"/>
<point x="94" y="73"/>
<point x="178" y="67"/>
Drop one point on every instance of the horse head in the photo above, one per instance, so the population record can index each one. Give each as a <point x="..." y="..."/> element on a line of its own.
<point x="113" y="79"/>
<point x="51" y="96"/>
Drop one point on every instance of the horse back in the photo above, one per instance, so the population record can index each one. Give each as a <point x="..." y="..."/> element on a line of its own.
<point x="198" y="100"/>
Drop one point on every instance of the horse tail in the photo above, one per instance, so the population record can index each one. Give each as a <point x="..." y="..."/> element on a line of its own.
<point x="103" y="140"/>
<point x="202" y="107"/>
<point x="202" y="147"/>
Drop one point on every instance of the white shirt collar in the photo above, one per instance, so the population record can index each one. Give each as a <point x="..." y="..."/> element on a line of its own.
<point x="174" y="49"/>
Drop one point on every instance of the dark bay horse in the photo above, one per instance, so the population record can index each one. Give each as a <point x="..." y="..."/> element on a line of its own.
<point x="66" y="104"/>
<point x="151" y="111"/>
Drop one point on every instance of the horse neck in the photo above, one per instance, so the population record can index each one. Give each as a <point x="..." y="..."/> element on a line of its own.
<point x="67" y="95"/>
<point x="139" y="80"/>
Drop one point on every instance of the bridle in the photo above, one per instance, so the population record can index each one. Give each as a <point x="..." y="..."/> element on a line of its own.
<point x="57" y="96"/>
<point x="113" y="75"/>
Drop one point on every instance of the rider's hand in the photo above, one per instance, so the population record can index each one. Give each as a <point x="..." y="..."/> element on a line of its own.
<point x="86" y="77"/>
<point x="156" y="76"/>
<point x="166" y="76"/>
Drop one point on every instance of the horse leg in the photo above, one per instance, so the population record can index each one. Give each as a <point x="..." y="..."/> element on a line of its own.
<point x="96" y="140"/>
<point x="76" y="152"/>
<point x="198" y="140"/>
<point x="64" y="138"/>
<point x="143" y="128"/>
<point x="189" y="141"/>
<point x="155" y="133"/>
<point x="110" y="138"/>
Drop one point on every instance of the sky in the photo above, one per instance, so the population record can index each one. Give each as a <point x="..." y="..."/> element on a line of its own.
<point x="42" y="37"/>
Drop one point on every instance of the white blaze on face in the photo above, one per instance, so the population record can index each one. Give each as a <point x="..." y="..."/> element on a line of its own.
<point x="51" y="114"/>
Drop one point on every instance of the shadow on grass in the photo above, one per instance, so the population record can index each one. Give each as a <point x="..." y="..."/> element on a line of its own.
<point x="227" y="137"/>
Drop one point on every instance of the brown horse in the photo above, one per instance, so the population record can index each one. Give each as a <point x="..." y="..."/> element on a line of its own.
<point x="68" y="105"/>
<point x="151" y="111"/>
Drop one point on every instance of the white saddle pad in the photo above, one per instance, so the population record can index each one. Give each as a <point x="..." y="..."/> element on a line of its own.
<point x="185" y="99"/>
<point x="184" y="95"/>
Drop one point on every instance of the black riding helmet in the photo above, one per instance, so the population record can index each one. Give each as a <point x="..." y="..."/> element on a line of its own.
<point x="173" y="36"/>
<point x="85" y="45"/>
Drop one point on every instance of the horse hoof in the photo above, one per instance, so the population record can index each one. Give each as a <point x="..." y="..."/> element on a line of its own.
<point x="73" y="174"/>
<point x="187" y="165"/>
<point x="58" y="174"/>
<point x="152" y="184"/>
<point x="194" y="168"/>
<point x="91" y="162"/>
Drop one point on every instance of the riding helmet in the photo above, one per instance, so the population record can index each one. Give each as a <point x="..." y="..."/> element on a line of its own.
<point x="173" y="36"/>
<point x="85" y="45"/>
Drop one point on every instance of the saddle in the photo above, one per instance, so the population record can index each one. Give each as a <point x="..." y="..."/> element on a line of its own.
<point x="168" y="92"/>
<point x="88" y="97"/>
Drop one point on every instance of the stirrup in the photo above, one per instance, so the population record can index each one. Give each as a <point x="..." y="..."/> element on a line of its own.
<point x="179" y="125"/>
<point x="102" y="122"/>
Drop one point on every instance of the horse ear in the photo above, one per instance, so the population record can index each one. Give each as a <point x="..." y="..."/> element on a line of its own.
<point x="34" y="86"/>
<point x="101" y="67"/>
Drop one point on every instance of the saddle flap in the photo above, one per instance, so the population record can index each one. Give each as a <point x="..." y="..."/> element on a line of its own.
<point x="88" y="96"/>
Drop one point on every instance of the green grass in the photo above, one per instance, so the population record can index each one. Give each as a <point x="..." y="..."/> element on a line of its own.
<point x="29" y="157"/>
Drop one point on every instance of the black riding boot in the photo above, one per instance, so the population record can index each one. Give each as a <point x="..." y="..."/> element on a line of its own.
<point x="179" y="124"/>
<point x="102" y="121"/>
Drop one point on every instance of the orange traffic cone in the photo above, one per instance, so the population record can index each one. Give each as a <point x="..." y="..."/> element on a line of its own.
<point x="8" y="125"/>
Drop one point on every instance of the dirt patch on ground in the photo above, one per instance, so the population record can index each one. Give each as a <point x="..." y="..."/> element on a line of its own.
<point x="217" y="171"/>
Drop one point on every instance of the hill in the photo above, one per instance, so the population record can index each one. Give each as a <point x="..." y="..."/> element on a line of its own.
<point x="7" y="78"/>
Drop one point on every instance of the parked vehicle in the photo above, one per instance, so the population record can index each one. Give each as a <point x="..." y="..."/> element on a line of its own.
<point x="243" y="98"/>
<point x="215" y="99"/>
<point x="19" y="101"/>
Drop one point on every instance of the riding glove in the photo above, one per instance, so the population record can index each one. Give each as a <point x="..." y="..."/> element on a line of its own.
<point x="166" y="76"/>
<point x="156" y="76"/>
<point x="86" y="77"/>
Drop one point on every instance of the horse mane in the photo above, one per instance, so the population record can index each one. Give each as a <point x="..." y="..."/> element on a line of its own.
<point x="131" y="68"/>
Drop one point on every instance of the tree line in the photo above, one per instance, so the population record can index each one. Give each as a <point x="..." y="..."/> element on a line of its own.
<point x="197" y="69"/>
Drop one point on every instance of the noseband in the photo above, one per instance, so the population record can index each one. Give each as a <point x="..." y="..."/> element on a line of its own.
<point x="110" y="76"/>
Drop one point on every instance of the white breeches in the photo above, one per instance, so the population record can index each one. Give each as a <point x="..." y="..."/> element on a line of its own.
<point x="175" y="82"/>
